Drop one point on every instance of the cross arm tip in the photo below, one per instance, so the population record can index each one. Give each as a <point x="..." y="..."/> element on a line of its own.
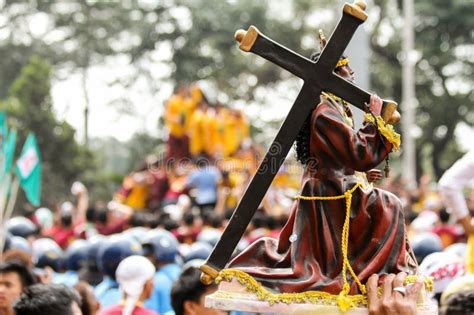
<point x="208" y="274"/>
<point x="356" y="9"/>
<point x="246" y="38"/>
<point x="361" y="4"/>
<point x="239" y="35"/>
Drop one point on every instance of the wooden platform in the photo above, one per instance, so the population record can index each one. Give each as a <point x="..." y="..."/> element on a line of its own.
<point x="232" y="296"/>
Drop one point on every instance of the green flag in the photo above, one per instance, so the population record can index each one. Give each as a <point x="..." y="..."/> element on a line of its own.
<point x="3" y="131"/>
<point x="28" y="170"/>
<point x="10" y="145"/>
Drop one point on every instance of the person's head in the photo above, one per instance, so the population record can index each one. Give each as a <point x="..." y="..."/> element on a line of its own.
<point x="160" y="246"/>
<point x="444" y="216"/>
<point x="14" y="278"/>
<point x="188" y="218"/>
<point x="101" y="216"/>
<point x="135" y="276"/>
<point x="182" y="89"/>
<point x="137" y="219"/>
<point x="51" y="299"/>
<point x="188" y="294"/>
<point x="76" y="255"/>
<point x="89" y="304"/>
<point x="44" y="217"/>
<point x="90" y="214"/>
<point x="459" y="303"/>
<point x="19" y="256"/>
<point x="202" y="161"/>
<point x="46" y="252"/>
<point x="344" y="70"/>
<point x="21" y="226"/>
<point x="458" y="296"/>
<point x="212" y="219"/>
<point x="116" y="249"/>
<point x="65" y="214"/>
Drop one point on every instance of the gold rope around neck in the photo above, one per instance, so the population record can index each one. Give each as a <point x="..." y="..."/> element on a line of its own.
<point x="335" y="97"/>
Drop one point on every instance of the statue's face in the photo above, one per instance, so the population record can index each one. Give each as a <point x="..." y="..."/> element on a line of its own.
<point x="346" y="72"/>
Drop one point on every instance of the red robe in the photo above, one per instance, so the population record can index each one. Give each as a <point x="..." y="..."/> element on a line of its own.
<point x="312" y="259"/>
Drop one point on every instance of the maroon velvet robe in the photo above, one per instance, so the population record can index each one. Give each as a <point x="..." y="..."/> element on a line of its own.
<point x="377" y="237"/>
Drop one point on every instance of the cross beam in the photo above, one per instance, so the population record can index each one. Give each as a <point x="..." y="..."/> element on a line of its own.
<point x="317" y="76"/>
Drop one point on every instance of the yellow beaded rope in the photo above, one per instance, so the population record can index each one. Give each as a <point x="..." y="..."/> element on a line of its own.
<point x="343" y="302"/>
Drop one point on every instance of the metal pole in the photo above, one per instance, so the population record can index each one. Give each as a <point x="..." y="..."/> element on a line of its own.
<point x="408" y="96"/>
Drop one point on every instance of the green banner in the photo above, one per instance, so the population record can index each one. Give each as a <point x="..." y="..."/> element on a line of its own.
<point x="28" y="170"/>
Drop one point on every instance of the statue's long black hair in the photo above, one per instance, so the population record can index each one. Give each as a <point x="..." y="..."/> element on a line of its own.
<point x="302" y="139"/>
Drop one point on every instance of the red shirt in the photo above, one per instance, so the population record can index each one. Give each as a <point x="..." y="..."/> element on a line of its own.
<point x="117" y="310"/>
<point x="62" y="236"/>
<point x="115" y="226"/>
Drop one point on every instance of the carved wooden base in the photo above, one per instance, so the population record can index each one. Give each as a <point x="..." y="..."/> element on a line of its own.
<point x="232" y="296"/>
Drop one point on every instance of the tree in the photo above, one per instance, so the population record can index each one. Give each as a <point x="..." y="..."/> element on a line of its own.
<point x="443" y="75"/>
<point x="29" y="108"/>
<point x="207" y="50"/>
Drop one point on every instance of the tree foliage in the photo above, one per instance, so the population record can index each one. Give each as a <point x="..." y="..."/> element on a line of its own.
<point x="443" y="40"/>
<point x="29" y="108"/>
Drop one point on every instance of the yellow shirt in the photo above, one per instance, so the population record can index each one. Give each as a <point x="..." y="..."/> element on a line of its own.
<point x="196" y="134"/>
<point x="470" y="254"/>
<point x="175" y="115"/>
<point x="236" y="130"/>
<point x="211" y="136"/>
<point x="230" y="136"/>
<point x="138" y="197"/>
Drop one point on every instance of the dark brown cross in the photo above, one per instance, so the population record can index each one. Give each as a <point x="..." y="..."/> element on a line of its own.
<point x="317" y="76"/>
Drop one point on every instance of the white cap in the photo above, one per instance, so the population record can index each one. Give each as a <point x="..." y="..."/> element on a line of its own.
<point x="45" y="217"/>
<point x="66" y="208"/>
<point x="132" y="274"/>
<point x="175" y="212"/>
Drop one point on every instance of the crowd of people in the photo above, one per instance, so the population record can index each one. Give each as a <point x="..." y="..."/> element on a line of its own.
<point x="140" y="252"/>
<point x="196" y="127"/>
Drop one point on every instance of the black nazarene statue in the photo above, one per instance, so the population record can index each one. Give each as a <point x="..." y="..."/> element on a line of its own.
<point x="309" y="253"/>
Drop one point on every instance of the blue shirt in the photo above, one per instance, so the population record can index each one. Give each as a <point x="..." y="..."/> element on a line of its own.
<point x="205" y="181"/>
<point x="160" y="300"/>
<point x="173" y="271"/>
<point x="69" y="278"/>
<point x="108" y="292"/>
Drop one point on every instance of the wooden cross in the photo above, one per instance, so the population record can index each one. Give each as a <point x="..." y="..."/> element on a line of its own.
<point x="317" y="76"/>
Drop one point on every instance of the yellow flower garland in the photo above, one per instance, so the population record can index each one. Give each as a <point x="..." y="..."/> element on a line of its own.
<point x="385" y="129"/>
<point x="314" y="297"/>
<point x="342" y="62"/>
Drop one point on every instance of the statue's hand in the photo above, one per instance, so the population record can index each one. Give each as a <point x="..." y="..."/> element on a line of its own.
<point x="374" y="175"/>
<point x="375" y="105"/>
